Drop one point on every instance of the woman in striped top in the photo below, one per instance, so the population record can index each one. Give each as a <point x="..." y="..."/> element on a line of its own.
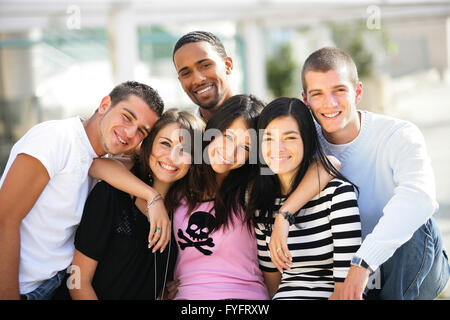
<point x="326" y="232"/>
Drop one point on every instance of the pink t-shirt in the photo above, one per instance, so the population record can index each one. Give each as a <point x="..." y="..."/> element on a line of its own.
<point x="218" y="265"/>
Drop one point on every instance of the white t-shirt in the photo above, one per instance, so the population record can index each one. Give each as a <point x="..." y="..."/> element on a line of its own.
<point x="47" y="232"/>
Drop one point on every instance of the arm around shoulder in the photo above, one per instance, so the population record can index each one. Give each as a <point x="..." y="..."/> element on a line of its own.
<point x="117" y="174"/>
<point x="314" y="180"/>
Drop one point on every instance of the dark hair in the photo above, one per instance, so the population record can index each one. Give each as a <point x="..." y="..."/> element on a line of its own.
<point x="194" y="126"/>
<point x="199" y="36"/>
<point x="267" y="187"/>
<point x="230" y="195"/>
<point x="148" y="94"/>
<point x="329" y="58"/>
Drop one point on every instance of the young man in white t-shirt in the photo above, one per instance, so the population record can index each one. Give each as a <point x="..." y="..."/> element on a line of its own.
<point x="45" y="184"/>
<point x="387" y="159"/>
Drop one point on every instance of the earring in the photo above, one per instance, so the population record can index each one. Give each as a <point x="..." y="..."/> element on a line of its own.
<point x="228" y="71"/>
<point x="150" y="179"/>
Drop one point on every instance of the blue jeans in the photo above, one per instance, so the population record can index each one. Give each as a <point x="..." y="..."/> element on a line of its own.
<point x="418" y="270"/>
<point x="46" y="290"/>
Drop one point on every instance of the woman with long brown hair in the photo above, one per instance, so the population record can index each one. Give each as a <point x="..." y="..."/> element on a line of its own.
<point x="112" y="256"/>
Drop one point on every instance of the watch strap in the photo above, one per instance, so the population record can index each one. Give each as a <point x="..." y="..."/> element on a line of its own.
<point x="357" y="261"/>
<point x="288" y="216"/>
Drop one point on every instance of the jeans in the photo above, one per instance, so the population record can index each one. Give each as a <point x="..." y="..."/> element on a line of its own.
<point x="46" y="289"/>
<point x="418" y="270"/>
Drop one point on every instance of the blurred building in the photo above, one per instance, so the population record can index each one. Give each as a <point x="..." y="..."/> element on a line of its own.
<point x="59" y="58"/>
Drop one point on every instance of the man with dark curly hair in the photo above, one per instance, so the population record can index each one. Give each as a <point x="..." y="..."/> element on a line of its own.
<point x="204" y="70"/>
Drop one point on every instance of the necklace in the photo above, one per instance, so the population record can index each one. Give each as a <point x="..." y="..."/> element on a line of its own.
<point x="167" y="267"/>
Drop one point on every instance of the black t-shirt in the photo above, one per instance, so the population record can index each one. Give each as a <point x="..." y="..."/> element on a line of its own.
<point x="115" y="233"/>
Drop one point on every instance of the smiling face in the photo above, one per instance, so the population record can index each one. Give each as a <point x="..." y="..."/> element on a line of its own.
<point x="282" y="147"/>
<point x="332" y="98"/>
<point x="170" y="160"/>
<point x="231" y="149"/>
<point x="202" y="74"/>
<point x="123" y="126"/>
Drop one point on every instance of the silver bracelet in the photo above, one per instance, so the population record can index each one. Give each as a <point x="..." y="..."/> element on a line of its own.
<point x="156" y="198"/>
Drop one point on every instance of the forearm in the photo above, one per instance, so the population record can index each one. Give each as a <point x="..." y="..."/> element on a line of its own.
<point x="272" y="281"/>
<point x="354" y="284"/>
<point x="9" y="257"/>
<point x="85" y="292"/>
<point x="83" y="270"/>
<point x="405" y="191"/>
<point x="314" y="180"/>
<point x="117" y="175"/>
<point x="337" y="292"/>
<point x="403" y="216"/>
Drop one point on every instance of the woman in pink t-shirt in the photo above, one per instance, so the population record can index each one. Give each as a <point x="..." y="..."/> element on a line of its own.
<point x="217" y="257"/>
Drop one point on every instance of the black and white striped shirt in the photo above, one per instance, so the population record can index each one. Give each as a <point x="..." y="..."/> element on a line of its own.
<point x="322" y="241"/>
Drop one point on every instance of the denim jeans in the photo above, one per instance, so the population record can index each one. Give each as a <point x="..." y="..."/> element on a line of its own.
<point x="46" y="290"/>
<point x="418" y="270"/>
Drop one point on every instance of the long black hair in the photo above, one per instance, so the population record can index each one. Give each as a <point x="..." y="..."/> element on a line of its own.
<point x="266" y="188"/>
<point x="229" y="197"/>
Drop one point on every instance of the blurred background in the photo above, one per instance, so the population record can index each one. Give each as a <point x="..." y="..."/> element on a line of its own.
<point x="60" y="58"/>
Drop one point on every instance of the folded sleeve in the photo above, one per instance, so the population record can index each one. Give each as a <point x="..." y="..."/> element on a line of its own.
<point x="48" y="142"/>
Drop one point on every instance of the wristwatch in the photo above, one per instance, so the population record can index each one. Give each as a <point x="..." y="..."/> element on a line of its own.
<point x="359" y="262"/>
<point x="288" y="216"/>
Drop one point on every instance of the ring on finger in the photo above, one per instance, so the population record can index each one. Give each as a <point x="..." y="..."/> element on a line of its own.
<point x="278" y="250"/>
<point x="158" y="230"/>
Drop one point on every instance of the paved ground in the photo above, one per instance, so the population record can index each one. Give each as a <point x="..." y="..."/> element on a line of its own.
<point x="429" y="108"/>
